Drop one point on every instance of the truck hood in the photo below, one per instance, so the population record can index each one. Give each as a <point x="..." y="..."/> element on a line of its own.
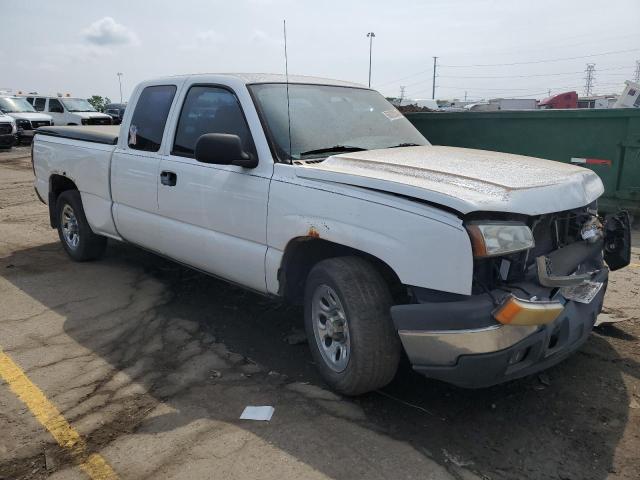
<point x="88" y="115"/>
<point x="462" y="179"/>
<point x="37" y="117"/>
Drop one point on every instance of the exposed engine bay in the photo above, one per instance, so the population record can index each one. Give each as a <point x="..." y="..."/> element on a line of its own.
<point x="569" y="249"/>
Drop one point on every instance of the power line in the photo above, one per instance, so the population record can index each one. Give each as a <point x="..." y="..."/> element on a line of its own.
<point x="519" y="76"/>
<point x="543" y="61"/>
<point x="531" y="75"/>
<point x="511" y="76"/>
<point x="513" y="64"/>
<point x="515" y="91"/>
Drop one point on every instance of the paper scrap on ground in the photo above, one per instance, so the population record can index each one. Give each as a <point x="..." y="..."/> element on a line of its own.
<point x="257" y="413"/>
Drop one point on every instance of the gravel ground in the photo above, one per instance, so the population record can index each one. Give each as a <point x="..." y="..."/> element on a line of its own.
<point x="153" y="363"/>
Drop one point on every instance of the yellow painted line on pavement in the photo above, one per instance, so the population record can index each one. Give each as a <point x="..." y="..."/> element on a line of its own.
<point x="637" y="265"/>
<point x="50" y="417"/>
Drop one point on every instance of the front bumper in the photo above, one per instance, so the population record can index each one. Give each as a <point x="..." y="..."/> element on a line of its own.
<point x="26" y="133"/>
<point x="461" y="343"/>
<point x="7" y="140"/>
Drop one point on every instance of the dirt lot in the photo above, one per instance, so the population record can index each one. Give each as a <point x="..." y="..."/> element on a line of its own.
<point x="153" y="363"/>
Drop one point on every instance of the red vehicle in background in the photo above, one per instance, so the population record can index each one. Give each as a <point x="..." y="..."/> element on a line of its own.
<point x="561" y="100"/>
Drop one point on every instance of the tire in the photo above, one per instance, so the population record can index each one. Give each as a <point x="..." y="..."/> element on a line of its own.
<point x="76" y="236"/>
<point x="369" y="346"/>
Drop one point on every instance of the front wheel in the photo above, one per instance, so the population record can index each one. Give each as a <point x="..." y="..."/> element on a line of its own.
<point x="74" y="231"/>
<point x="348" y="323"/>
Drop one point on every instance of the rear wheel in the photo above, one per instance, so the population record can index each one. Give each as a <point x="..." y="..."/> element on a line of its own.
<point x="77" y="238"/>
<point x="348" y="323"/>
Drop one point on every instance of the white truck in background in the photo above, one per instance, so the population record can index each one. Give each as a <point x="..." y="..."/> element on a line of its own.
<point x="482" y="266"/>
<point x="25" y="116"/>
<point x="66" y="110"/>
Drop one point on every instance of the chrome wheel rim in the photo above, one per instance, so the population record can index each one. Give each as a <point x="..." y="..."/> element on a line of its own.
<point x="70" y="230"/>
<point x="330" y="328"/>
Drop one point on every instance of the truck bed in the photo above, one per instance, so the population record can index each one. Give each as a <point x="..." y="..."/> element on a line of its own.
<point x="105" y="134"/>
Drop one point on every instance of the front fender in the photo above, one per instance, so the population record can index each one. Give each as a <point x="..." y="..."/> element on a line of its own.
<point x="425" y="247"/>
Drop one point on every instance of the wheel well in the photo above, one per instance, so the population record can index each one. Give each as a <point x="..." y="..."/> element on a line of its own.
<point x="302" y="253"/>
<point x="57" y="185"/>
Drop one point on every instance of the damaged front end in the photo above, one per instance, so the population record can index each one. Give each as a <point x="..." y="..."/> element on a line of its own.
<point x="538" y="286"/>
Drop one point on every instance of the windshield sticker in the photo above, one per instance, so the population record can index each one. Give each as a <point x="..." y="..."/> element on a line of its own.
<point x="133" y="132"/>
<point x="392" y="114"/>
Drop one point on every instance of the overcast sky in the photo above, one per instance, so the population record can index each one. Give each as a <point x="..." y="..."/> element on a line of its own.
<point x="78" y="46"/>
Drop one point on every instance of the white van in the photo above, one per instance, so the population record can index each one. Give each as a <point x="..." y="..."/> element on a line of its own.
<point x="25" y="116"/>
<point x="69" y="110"/>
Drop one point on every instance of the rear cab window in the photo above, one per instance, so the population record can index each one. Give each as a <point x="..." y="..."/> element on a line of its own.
<point x="150" y="117"/>
<point x="209" y="109"/>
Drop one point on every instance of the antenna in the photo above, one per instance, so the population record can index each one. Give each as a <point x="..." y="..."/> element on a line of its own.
<point x="286" y="70"/>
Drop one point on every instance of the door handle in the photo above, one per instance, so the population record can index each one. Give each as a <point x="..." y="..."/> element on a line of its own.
<point x="168" y="178"/>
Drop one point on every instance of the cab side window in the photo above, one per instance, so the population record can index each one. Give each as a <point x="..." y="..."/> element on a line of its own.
<point x="55" y="106"/>
<point x="150" y="117"/>
<point x="38" y="104"/>
<point x="209" y="110"/>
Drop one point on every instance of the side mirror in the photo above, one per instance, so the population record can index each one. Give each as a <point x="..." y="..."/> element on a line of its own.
<point x="223" y="149"/>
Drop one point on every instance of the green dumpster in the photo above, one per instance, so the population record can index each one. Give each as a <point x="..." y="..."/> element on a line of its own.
<point x="605" y="140"/>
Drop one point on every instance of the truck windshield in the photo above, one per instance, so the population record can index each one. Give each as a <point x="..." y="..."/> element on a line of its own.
<point x="330" y="119"/>
<point x="77" y="105"/>
<point x="15" y="105"/>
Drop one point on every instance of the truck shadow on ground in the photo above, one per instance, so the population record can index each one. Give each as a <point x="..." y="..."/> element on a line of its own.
<point x="207" y="349"/>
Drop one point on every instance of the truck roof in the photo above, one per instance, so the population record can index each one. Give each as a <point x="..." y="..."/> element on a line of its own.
<point x="250" y="78"/>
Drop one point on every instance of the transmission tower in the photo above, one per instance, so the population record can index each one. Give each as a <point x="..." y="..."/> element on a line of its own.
<point x="636" y="75"/>
<point x="401" y="95"/>
<point x="589" y="78"/>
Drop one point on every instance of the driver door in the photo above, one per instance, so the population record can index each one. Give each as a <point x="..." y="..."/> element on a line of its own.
<point x="217" y="213"/>
<point x="56" y="110"/>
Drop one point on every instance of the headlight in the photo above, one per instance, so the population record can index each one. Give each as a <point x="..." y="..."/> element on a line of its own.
<point x="22" y="123"/>
<point x="491" y="239"/>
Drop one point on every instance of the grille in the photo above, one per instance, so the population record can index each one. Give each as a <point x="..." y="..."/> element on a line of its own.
<point x="40" y="123"/>
<point x="98" y="121"/>
<point x="5" y="128"/>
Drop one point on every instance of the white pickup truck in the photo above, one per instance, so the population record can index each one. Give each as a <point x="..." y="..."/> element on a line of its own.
<point x="481" y="266"/>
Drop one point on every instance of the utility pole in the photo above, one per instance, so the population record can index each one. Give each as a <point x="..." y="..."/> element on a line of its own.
<point x="401" y="94"/>
<point x="636" y="75"/>
<point x="371" y="36"/>
<point x="589" y="78"/>
<point x="433" y="88"/>
<point x="465" y="95"/>
<point x="120" y="82"/>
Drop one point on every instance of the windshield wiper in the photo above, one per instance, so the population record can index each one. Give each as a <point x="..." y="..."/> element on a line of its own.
<point x="405" y="145"/>
<point x="335" y="148"/>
